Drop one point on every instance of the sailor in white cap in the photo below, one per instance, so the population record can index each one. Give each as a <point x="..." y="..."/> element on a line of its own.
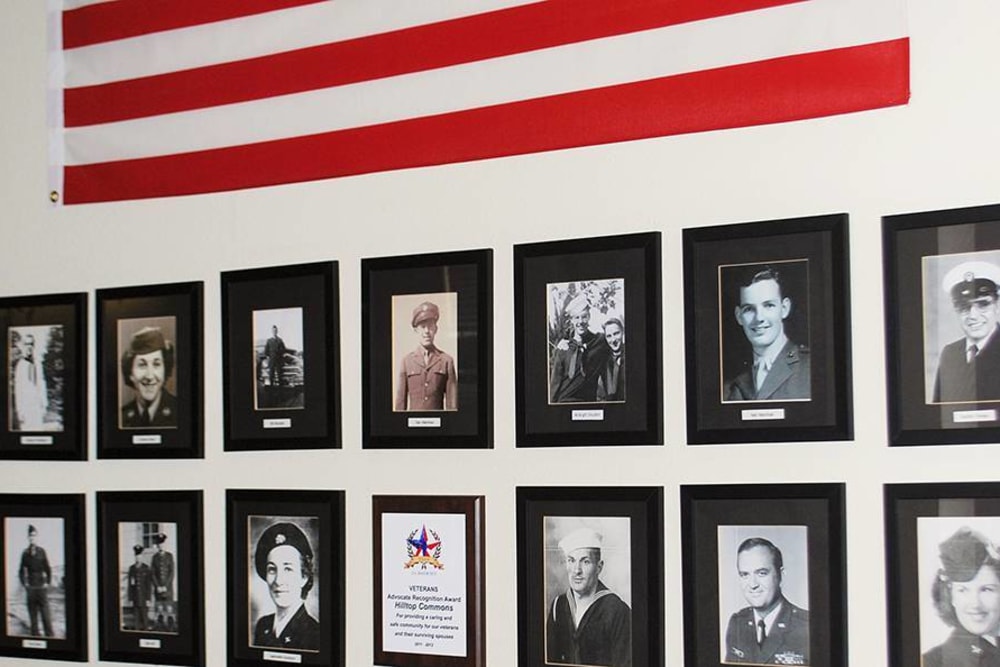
<point x="577" y="363"/>
<point x="588" y="624"/>
<point x="969" y="368"/>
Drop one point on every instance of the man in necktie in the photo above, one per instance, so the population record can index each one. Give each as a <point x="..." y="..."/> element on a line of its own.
<point x="771" y="630"/>
<point x="779" y="369"/>
<point x="969" y="368"/>
<point x="427" y="379"/>
<point x="611" y="383"/>
<point x="35" y="576"/>
<point x="577" y="361"/>
<point x="30" y="394"/>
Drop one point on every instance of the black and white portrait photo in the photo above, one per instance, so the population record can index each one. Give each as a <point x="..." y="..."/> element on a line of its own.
<point x="959" y="583"/>
<point x="586" y="341"/>
<point x="763" y="595"/>
<point x="961" y="317"/>
<point x="147" y="568"/>
<point x="425" y="352"/>
<point x="588" y="593"/>
<point x="36" y="370"/>
<point x="279" y="367"/>
<point x="34" y="554"/>
<point x="147" y="387"/>
<point x="283" y="585"/>
<point x="763" y="328"/>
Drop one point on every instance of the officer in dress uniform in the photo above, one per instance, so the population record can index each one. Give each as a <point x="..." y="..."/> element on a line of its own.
<point x="35" y="576"/>
<point x="140" y="588"/>
<point x="427" y="376"/>
<point x="162" y="567"/>
<point x="284" y="560"/>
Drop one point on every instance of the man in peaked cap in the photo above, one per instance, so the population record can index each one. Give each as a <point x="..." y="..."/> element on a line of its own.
<point x="146" y="365"/>
<point x="35" y="576"/>
<point x="427" y="376"/>
<point x="588" y="624"/>
<point x="284" y="560"/>
<point x="140" y="588"/>
<point x="162" y="567"/>
<point x="577" y="363"/>
<point x="969" y="368"/>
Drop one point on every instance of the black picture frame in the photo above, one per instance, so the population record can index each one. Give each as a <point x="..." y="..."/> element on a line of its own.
<point x="459" y="287"/>
<point x="60" y="567"/>
<point x="629" y="524"/>
<point x="807" y="394"/>
<point x="800" y="520"/>
<point x="297" y="405"/>
<point x="556" y="404"/>
<point x="316" y="633"/>
<point x="441" y="518"/>
<point x="922" y="523"/>
<point x="137" y="518"/>
<point x="55" y="428"/>
<point x="175" y="311"/>
<point x="924" y="249"/>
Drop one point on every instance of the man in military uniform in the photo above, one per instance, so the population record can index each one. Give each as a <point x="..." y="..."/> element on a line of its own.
<point x="162" y="567"/>
<point x="577" y="363"/>
<point x="146" y="365"/>
<point x="772" y="630"/>
<point x="140" y="588"/>
<point x="284" y="560"/>
<point x="611" y="383"/>
<point x="427" y="376"/>
<point x="969" y="369"/>
<point x="274" y="352"/>
<point x="36" y="577"/>
<point x="779" y="369"/>
<point x="588" y="624"/>
<point x="30" y="394"/>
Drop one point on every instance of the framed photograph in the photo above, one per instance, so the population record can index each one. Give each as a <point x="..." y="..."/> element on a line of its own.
<point x="149" y="372"/>
<point x="578" y="305"/>
<point x="427" y="350"/>
<point x="281" y="355"/>
<point x="45" y="576"/>
<point x="764" y="575"/>
<point x="430" y="603"/>
<point x="286" y="577"/>
<point x="767" y="330"/>
<point x="943" y="573"/>
<point x="151" y="577"/>
<point x="44" y="400"/>
<point x="942" y="351"/>
<point x="590" y="576"/>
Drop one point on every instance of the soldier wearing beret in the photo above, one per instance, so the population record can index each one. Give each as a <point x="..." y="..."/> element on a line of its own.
<point x="772" y="630"/>
<point x="969" y="369"/>
<point x="140" y="589"/>
<point x="146" y="365"/>
<point x="966" y="594"/>
<point x="284" y="560"/>
<point x="427" y="376"/>
<point x="35" y="576"/>
<point x="577" y="363"/>
<point x="588" y="624"/>
<point x="779" y="369"/>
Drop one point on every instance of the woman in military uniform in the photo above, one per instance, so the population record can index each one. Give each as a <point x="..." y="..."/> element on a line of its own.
<point x="284" y="560"/>
<point x="966" y="594"/>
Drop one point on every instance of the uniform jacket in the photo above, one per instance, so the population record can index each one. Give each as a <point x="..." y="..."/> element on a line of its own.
<point x="957" y="380"/>
<point x="34" y="571"/>
<point x="433" y="386"/>
<point x="140" y="584"/>
<point x="611" y="384"/>
<point x="163" y="575"/>
<point x="789" y="378"/>
<point x="604" y="636"/>
<point x="787" y="643"/>
<point x="963" y="649"/>
<point x="575" y="370"/>
<point x="301" y="632"/>
<point x="165" y="417"/>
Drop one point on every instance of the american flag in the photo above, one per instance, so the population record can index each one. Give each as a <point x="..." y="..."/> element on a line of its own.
<point x="175" y="97"/>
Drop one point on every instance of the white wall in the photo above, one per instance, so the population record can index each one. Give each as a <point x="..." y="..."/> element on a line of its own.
<point x="937" y="152"/>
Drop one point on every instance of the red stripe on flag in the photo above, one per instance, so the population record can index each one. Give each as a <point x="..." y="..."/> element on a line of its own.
<point x="108" y="21"/>
<point x="770" y="91"/>
<point x="480" y="37"/>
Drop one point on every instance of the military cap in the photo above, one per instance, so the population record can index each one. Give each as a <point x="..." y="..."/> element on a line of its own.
<point x="159" y="538"/>
<point x="146" y="340"/>
<point x="578" y="304"/>
<point x="425" y="311"/>
<point x="138" y="549"/>
<point x="581" y="538"/>
<point x="277" y="535"/>
<point x="32" y="530"/>
<point x="963" y="554"/>
<point x="971" y="280"/>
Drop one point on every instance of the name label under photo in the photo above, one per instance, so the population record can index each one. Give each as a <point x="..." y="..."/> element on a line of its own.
<point x="423" y="422"/>
<point x="147" y="439"/>
<point x="149" y="643"/>
<point x="763" y="415"/>
<point x="36" y="440"/>
<point x="971" y="416"/>
<point x="277" y="423"/>
<point x="275" y="656"/>
<point x="587" y="415"/>
<point x="34" y="643"/>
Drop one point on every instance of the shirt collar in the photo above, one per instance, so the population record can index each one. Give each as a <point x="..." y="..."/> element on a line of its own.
<point x="771" y="353"/>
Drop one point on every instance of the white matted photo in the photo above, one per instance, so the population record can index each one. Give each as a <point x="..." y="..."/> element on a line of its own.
<point x="279" y="359"/>
<point x="35" y="574"/>
<point x="36" y="369"/>
<point x="425" y="352"/>
<point x="147" y="388"/>
<point x="147" y="568"/>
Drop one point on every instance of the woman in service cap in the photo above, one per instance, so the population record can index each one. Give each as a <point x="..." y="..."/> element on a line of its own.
<point x="966" y="593"/>
<point x="147" y="364"/>
<point x="284" y="560"/>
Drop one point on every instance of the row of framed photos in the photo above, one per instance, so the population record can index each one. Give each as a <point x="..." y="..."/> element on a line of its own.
<point x="764" y="576"/>
<point x="767" y="327"/>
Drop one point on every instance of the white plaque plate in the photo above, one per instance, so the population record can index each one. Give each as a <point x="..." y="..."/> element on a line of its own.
<point x="762" y="415"/>
<point x="277" y="423"/>
<point x="147" y="439"/>
<point x="970" y="416"/>
<point x="588" y="415"/>
<point x="36" y="440"/>
<point x="423" y="422"/>
<point x="149" y="643"/>
<point x="275" y="656"/>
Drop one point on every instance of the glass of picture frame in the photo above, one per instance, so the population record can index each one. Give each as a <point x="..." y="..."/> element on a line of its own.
<point x="942" y="351"/>
<point x="44" y="401"/>
<point x="281" y="355"/>
<point x="767" y="331"/>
